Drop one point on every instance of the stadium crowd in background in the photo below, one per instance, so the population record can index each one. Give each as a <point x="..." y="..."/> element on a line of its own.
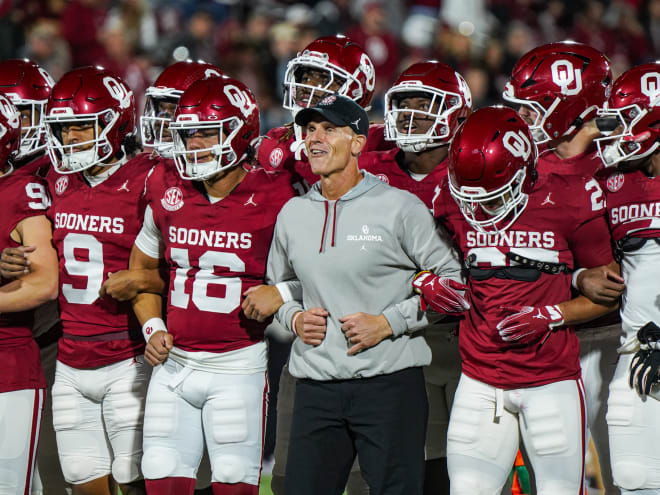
<point x="253" y="41"/>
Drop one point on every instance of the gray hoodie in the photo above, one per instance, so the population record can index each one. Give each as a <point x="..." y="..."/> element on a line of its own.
<point x="358" y="254"/>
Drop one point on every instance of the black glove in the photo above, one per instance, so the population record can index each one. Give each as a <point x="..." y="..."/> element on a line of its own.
<point x="645" y="365"/>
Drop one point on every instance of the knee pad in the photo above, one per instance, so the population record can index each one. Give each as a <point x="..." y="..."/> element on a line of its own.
<point x="126" y="469"/>
<point x="229" y="469"/>
<point x="80" y="469"/>
<point x="629" y="474"/>
<point x="158" y="463"/>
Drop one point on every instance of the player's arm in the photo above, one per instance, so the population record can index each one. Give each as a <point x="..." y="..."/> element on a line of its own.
<point x="146" y="256"/>
<point x="124" y="285"/>
<point x="148" y="309"/>
<point x="602" y="284"/>
<point x="41" y="283"/>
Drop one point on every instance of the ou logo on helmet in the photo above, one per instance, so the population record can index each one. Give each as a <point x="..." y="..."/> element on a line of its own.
<point x="118" y="91"/>
<point x="651" y="87"/>
<point x="565" y="76"/>
<point x="10" y="114"/>
<point x="517" y="144"/>
<point x="240" y="99"/>
<point x="369" y="71"/>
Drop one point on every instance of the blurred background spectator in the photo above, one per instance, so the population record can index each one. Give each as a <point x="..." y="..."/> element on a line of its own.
<point x="254" y="40"/>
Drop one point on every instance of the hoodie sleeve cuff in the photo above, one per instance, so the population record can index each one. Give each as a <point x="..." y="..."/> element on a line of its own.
<point x="396" y="320"/>
<point x="286" y="313"/>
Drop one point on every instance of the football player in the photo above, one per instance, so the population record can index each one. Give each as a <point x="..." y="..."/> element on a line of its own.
<point x="97" y="209"/>
<point x="24" y="202"/>
<point x="328" y="65"/>
<point x="520" y="357"/>
<point x="630" y="150"/>
<point x="423" y="110"/>
<point x="559" y="88"/>
<point x="161" y="100"/>
<point x="28" y="86"/>
<point x="211" y="225"/>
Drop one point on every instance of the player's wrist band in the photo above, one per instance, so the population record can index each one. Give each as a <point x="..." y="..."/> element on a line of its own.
<point x="152" y="326"/>
<point x="575" y="277"/>
<point x="293" y="322"/>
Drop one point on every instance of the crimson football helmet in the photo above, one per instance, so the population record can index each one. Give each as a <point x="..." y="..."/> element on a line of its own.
<point x="450" y="102"/>
<point x="635" y="106"/>
<point x="84" y="97"/>
<point x="219" y="104"/>
<point x="28" y="86"/>
<point x="564" y="84"/>
<point x="344" y="62"/>
<point x="10" y="134"/>
<point x="168" y="88"/>
<point x="490" y="159"/>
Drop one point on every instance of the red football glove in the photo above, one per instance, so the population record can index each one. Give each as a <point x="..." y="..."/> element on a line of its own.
<point x="529" y="324"/>
<point x="440" y="293"/>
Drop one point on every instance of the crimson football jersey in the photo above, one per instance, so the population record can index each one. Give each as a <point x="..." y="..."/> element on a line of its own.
<point x="39" y="166"/>
<point x="384" y="165"/>
<point x="215" y="252"/>
<point x="93" y="230"/>
<point x="275" y="153"/>
<point x="23" y="196"/>
<point x="633" y="209"/>
<point x="562" y="224"/>
<point x="583" y="165"/>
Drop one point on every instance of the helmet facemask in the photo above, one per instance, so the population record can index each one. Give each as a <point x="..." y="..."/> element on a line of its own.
<point x="155" y="121"/>
<point x="441" y="106"/>
<point x="98" y="149"/>
<point x="623" y="143"/>
<point x="203" y="163"/>
<point x="33" y="138"/>
<point x="510" y="201"/>
<point x="339" y="81"/>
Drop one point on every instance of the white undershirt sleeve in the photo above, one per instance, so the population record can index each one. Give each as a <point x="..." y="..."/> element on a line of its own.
<point x="149" y="240"/>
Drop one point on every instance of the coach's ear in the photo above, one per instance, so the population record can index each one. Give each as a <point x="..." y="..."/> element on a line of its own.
<point x="358" y="143"/>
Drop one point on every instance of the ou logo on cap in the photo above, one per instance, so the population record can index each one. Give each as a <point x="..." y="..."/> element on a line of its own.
<point x="563" y="75"/>
<point x="517" y="144"/>
<point x="651" y="85"/>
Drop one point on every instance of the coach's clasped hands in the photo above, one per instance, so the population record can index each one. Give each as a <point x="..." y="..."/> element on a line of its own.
<point x="440" y="293"/>
<point x="362" y="330"/>
<point x="529" y="324"/>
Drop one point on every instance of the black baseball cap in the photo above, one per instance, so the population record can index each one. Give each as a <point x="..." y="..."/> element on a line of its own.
<point x="339" y="110"/>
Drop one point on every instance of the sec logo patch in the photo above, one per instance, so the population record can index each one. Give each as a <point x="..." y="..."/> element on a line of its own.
<point x="615" y="182"/>
<point x="275" y="157"/>
<point x="172" y="200"/>
<point x="61" y="185"/>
